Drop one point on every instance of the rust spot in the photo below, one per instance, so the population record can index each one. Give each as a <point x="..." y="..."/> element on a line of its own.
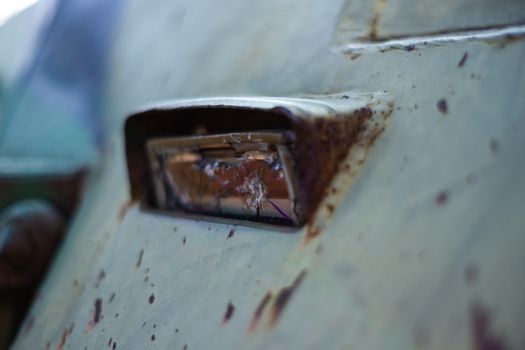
<point x="283" y="297"/>
<point x="483" y="337"/>
<point x="151" y="298"/>
<point x="442" y="106"/>
<point x="471" y="274"/>
<point x="139" y="261"/>
<point x="230" y="309"/>
<point x="112" y="297"/>
<point x="442" y="198"/>
<point x="232" y="232"/>
<point x="354" y="57"/>
<point x="463" y="59"/>
<point x="100" y="277"/>
<point x="494" y="146"/>
<point x="259" y="311"/>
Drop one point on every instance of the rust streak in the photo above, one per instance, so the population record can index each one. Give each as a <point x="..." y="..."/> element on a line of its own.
<point x="96" y="314"/>
<point x="461" y="63"/>
<point x="379" y="7"/>
<point x="65" y="335"/>
<point x="101" y="275"/>
<point x="230" y="309"/>
<point x="139" y="261"/>
<point x="283" y="297"/>
<point x="259" y="311"/>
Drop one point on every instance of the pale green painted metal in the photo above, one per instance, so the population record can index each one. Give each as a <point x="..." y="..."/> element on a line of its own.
<point x="438" y="201"/>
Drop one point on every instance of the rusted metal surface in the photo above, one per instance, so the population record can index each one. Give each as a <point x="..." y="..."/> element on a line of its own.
<point x="315" y="135"/>
<point x="419" y="245"/>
